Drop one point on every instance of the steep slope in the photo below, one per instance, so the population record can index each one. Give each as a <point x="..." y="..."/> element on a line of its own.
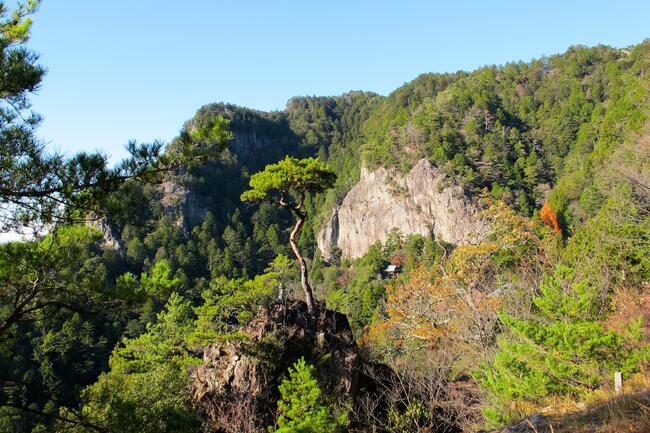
<point x="418" y="202"/>
<point x="518" y="131"/>
<point x="515" y="129"/>
<point x="553" y="130"/>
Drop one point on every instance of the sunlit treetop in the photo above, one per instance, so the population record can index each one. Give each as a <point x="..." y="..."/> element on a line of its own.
<point x="291" y="176"/>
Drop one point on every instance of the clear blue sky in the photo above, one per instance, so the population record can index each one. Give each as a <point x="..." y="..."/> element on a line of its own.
<point x="138" y="69"/>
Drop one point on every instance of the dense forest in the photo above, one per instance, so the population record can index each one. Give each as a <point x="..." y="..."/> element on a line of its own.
<point x="132" y="272"/>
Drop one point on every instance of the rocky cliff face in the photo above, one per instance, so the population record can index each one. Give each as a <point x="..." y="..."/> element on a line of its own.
<point x="110" y="238"/>
<point x="182" y="202"/>
<point x="418" y="202"/>
<point x="236" y="386"/>
<point x="246" y="144"/>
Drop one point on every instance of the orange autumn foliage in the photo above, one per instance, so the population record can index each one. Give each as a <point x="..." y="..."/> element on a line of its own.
<point x="398" y="260"/>
<point x="431" y="310"/>
<point x="454" y="302"/>
<point x="549" y="218"/>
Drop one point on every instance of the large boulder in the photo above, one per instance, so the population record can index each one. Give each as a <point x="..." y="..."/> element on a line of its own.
<point x="236" y="386"/>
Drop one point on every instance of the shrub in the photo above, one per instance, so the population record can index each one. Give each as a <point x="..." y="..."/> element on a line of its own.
<point x="561" y="350"/>
<point x="301" y="409"/>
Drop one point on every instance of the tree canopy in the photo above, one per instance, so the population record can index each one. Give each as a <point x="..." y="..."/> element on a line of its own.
<point x="291" y="175"/>
<point x="301" y="409"/>
<point x="99" y="326"/>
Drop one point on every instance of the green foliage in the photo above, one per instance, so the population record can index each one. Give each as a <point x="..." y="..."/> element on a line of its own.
<point x="57" y="321"/>
<point x="149" y="402"/>
<point x="512" y="129"/>
<point x="561" y="349"/>
<point x="359" y="298"/>
<point x="393" y="243"/>
<point x="612" y="248"/>
<point x="60" y="312"/>
<point x="301" y="409"/>
<point x="42" y="276"/>
<point x="412" y="419"/>
<point x="42" y="188"/>
<point x="71" y="358"/>
<point x="164" y="342"/>
<point x="228" y="304"/>
<point x="287" y="183"/>
<point x="160" y="282"/>
<point x="146" y="389"/>
<point x="211" y="131"/>
<point x="290" y="174"/>
<point x="519" y="130"/>
<point x="16" y="29"/>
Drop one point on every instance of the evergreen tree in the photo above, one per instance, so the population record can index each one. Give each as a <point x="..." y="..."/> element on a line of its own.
<point x="561" y="349"/>
<point x="146" y="390"/>
<point x="301" y="409"/>
<point x="287" y="183"/>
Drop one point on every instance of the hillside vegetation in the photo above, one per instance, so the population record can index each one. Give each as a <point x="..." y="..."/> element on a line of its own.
<point x="105" y="315"/>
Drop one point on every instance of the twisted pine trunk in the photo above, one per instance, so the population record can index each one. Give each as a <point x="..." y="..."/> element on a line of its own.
<point x="304" y="278"/>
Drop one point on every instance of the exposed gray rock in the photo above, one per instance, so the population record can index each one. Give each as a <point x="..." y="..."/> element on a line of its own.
<point x="417" y="202"/>
<point x="537" y="423"/>
<point x="328" y="236"/>
<point x="236" y="386"/>
<point x="110" y="238"/>
<point x="246" y="144"/>
<point x="181" y="202"/>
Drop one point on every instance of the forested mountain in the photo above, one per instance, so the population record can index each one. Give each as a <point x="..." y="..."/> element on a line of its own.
<point x="104" y="324"/>
<point x="527" y="133"/>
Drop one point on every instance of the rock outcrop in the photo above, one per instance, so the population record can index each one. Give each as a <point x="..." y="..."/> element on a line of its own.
<point x="236" y="386"/>
<point x="417" y="202"/>
<point x="110" y="238"/>
<point x="182" y="203"/>
<point x="328" y="236"/>
<point x="248" y="144"/>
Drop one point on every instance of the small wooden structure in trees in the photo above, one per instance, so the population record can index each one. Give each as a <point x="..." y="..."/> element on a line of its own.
<point x="391" y="271"/>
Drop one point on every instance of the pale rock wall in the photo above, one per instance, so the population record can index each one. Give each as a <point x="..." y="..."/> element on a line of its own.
<point x="417" y="202"/>
<point x="180" y="201"/>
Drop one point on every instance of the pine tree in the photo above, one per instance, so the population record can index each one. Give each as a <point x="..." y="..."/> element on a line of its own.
<point x="301" y="409"/>
<point x="562" y="349"/>
<point x="287" y="184"/>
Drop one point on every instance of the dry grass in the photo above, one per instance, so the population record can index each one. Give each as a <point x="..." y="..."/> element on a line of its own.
<point x="602" y="411"/>
<point x="629" y="413"/>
